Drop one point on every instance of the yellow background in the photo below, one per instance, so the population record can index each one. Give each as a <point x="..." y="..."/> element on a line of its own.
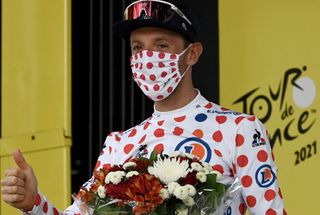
<point x="36" y="85"/>
<point x="259" y="42"/>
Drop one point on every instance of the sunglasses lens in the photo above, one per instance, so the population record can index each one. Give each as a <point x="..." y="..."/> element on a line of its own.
<point x="148" y="10"/>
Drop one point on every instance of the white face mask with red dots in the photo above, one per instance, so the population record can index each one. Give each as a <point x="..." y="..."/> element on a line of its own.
<point x="157" y="73"/>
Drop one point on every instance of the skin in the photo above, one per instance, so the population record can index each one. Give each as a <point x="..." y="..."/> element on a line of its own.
<point x="19" y="186"/>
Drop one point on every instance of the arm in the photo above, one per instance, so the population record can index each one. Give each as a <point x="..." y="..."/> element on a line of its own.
<point x="254" y="166"/>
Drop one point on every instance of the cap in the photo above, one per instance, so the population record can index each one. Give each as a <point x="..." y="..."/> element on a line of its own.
<point x="176" y="23"/>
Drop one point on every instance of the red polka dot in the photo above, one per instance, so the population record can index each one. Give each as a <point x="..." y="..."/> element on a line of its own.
<point x="153" y="77"/>
<point x="218" y="168"/>
<point x="159" y="132"/>
<point x="38" y="200"/>
<point x="218" y="153"/>
<point x="170" y="89"/>
<point x="149" y="53"/>
<point x="242" y="161"/>
<point x="161" y="55"/>
<point x="97" y="165"/>
<point x="128" y="148"/>
<point x="149" y="65"/>
<point x="146" y="87"/>
<point x="221" y="119"/>
<point x="234" y="168"/>
<point x="141" y="54"/>
<point x="239" y="119"/>
<point x="239" y="140"/>
<point x="156" y="87"/>
<point x="146" y="125"/>
<point x="175" y="75"/>
<point x="271" y="212"/>
<point x="159" y="148"/>
<point x="110" y="149"/>
<point x="251" y="201"/>
<point x="225" y="109"/>
<point x="172" y="64"/>
<point x="173" y="56"/>
<point x="173" y="69"/>
<point x="55" y="211"/>
<point x="246" y="181"/>
<point x="252" y="118"/>
<point x="160" y="97"/>
<point x="142" y="139"/>
<point x="142" y="77"/>
<point x="177" y="131"/>
<point x="180" y="118"/>
<point x="45" y="207"/>
<point x="164" y="74"/>
<point x="269" y="195"/>
<point x="133" y="133"/>
<point x="161" y="65"/>
<point x="217" y="136"/>
<point x="160" y="123"/>
<point x="262" y="156"/>
<point x="209" y="105"/>
<point x="242" y="208"/>
<point x="136" y="65"/>
<point x="177" y="80"/>
<point x="141" y="66"/>
<point x="118" y="139"/>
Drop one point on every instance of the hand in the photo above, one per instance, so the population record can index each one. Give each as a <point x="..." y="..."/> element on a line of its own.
<point x="19" y="187"/>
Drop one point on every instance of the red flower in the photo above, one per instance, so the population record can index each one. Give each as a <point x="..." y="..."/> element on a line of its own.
<point x="144" y="189"/>
<point x="191" y="178"/>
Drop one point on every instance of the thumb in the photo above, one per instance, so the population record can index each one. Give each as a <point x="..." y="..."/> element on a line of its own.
<point x="20" y="161"/>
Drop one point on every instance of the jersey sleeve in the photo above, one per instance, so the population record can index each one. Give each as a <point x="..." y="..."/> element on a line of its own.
<point x="253" y="164"/>
<point x="43" y="206"/>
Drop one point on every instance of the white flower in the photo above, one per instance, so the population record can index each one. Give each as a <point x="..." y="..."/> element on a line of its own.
<point x="201" y="177"/>
<point x="207" y="166"/>
<point x="172" y="186"/>
<point x="115" y="177"/>
<point x="196" y="166"/>
<point x="128" y="165"/>
<point x="181" y="193"/>
<point x="190" y="156"/>
<point x="182" y="210"/>
<point x="169" y="169"/>
<point x="176" y="154"/>
<point x="217" y="173"/>
<point x="191" y="189"/>
<point x="164" y="193"/>
<point x="205" y="171"/>
<point x="102" y="192"/>
<point x="131" y="173"/>
<point x="189" y="201"/>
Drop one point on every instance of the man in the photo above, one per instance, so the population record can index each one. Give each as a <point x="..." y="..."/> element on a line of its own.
<point x="164" y="48"/>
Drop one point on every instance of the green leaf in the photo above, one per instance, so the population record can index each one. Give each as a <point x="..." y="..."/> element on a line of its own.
<point x="211" y="181"/>
<point x="154" y="156"/>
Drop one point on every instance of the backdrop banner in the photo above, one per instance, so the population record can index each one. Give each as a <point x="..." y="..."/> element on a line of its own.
<point x="270" y="67"/>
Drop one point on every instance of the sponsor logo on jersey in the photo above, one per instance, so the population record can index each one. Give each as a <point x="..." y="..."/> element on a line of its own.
<point x="258" y="140"/>
<point x="265" y="177"/>
<point x="197" y="147"/>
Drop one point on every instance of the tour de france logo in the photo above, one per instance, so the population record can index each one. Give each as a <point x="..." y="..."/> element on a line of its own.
<point x="293" y="100"/>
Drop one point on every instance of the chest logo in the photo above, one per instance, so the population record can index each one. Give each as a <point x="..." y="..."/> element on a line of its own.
<point x="197" y="147"/>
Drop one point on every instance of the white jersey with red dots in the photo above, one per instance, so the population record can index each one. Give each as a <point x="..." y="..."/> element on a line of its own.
<point x="235" y="144"/>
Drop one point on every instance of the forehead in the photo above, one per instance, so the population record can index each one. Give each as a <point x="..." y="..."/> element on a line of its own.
<point x="148" y="34"/>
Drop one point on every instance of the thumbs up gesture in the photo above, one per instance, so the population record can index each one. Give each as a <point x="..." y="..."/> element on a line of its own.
<point x="19" y="187"/>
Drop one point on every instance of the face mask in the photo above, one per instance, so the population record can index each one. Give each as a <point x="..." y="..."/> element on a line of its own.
<point x="157" y="73"/>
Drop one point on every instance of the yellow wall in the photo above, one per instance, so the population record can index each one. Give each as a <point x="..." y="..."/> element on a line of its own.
<point x="260" y="43"/>
<point x="36" y="85"/>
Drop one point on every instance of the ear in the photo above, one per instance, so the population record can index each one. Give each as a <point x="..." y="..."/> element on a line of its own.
<point x="194" y="53"/>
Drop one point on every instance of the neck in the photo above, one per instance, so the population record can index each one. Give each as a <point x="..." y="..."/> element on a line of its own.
<point x="182" y="96"/>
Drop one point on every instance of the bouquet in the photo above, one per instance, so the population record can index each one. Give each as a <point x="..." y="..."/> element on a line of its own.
<point x="162" y="184"/>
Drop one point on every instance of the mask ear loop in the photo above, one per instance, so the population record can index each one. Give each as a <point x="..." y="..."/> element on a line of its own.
<point x="182" y="53"/>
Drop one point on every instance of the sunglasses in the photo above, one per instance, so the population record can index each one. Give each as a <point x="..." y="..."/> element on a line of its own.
<point x="153" y="9"/>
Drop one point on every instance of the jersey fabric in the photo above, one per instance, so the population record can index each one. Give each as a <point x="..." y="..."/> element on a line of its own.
<point x="235" y="144"/>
